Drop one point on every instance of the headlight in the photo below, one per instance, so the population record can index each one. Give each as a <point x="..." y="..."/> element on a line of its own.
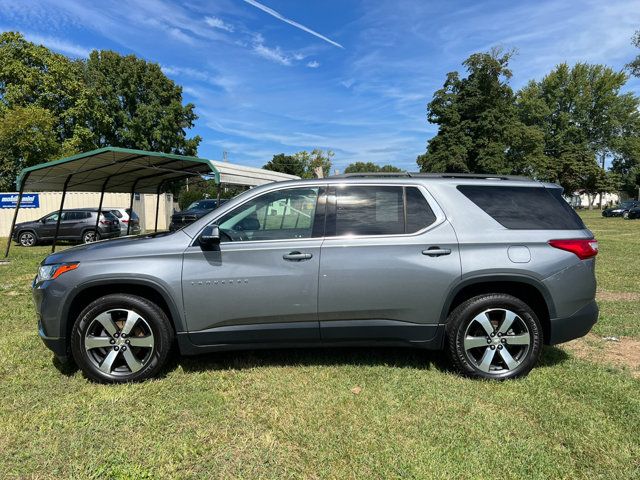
<point x="49" y="272"/>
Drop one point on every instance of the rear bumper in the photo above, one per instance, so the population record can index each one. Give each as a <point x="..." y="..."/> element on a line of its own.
<point x="575" y="326"/>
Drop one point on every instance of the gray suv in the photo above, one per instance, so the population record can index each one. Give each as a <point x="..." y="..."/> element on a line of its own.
<point x="487" y="268"/>
<point x="78" y="224"/>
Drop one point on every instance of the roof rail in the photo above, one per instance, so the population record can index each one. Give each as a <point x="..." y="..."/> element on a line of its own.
<point x="434" y="175"/>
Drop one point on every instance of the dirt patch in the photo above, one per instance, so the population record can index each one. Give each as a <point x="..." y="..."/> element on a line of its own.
<point x="617" y="296"/>
<point x="620" y="351"/>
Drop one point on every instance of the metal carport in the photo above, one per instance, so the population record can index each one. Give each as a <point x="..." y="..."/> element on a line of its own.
<point x="123" y="170"/>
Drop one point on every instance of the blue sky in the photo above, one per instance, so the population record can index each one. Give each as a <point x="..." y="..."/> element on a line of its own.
<point x="354" y="76"/>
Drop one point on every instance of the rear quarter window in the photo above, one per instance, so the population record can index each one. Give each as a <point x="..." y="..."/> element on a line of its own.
<point x="524" y="208"/>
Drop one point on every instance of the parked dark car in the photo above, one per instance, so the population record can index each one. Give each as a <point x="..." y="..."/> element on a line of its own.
<point x="633" y="213"/>
<point x="75" y="224"/>
<point x="193" y="212"/>
<point x="621" y="210"/>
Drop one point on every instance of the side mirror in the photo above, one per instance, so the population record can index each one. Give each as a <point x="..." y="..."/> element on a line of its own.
<point x="210" y="236"/>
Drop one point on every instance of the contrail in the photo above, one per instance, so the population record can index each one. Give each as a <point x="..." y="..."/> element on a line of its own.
<point x="273" y="13"/>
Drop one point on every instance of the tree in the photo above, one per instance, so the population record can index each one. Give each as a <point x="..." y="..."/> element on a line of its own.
<point x="369" y="167"/>
<point x="27" y="137"/>
<point x="584" y="119"/>
<point x="634" y="65"/>
<point x="106" y="100"/>
<point x="134" y="105"/>
<point x="286" y="164"/>
<point x="302" y="164"/>
<point x="478" y="121"/>
<point x="317" y="158"/>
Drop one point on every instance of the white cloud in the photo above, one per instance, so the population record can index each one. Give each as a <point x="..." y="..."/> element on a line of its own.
<point x="277" y="15"/>
<point x="225" y="82"/>
<point x="216" y="22"/>
<point x="313" y="64"/>
<point x="273" y="54"/>
<point x="59" y="45"/>
<point x="179" y="35"/>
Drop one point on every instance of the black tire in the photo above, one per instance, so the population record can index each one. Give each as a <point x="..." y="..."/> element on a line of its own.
<point x="481" y="319"/>
<point x="152" y="326"/>
<point x="89" y="236"/>
<point x="27" y="239"/>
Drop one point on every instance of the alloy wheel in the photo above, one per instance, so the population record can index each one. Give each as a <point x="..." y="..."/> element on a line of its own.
<point x="27" y="239"/>
<point x="119" y="342"/>
<point x="89" y="237"/>
<point x="497" y="341"/>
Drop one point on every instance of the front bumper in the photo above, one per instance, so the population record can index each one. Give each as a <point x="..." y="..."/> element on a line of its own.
<point x="58" y="345"/>
<point x="574" y="326"/>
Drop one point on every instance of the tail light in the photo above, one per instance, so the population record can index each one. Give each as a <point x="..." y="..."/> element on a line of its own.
<point x="583" y="248"/>
<point x="105" y="222"/>
<point x="124" y="221"/>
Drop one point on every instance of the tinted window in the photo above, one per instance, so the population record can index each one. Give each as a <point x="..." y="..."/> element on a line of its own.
<point x="203" y="205"/>
<point x="369" y="210"/>
<point x="524" y="208"/>
<point x="74" y="215"/>
<point x="117" y="213"/>
<point x="379" y="210"/>
<point x="419" y="213"/>
<point x="283" y="214"/>
<point x="53" y="217"/>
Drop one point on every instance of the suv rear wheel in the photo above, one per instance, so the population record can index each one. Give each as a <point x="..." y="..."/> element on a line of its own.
<point x="121" y="338"/>
<point x="89" y="236"/>
<point x="494" y="336"/>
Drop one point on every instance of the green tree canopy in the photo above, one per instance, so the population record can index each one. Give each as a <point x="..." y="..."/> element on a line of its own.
<point x="369" y="167"/>
<point x="303" y="164"/>
<point x="478" y="121"/>
<point x="634" y="65"/>
<point x="105" y="100"/>
<point x="286" y="164"/>
<point x="584" y="119"/>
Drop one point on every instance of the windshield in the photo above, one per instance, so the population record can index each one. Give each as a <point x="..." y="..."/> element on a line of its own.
<point x="202" y="205"/>
<point x="626" y="204"/>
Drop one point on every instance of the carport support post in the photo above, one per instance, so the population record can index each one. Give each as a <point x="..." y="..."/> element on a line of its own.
<point x="133" y="189"/>
<point x="15" y="214"/>
<point x="104" y="186"/>
<point x="64" y="194"/>
<point x="158" y="205"/>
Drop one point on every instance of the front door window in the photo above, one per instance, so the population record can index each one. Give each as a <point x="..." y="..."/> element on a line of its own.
<point x="279" y="215"/>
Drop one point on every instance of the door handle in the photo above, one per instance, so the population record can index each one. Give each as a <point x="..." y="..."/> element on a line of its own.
<point x="297" y="256"/>
<point x="436" y="251"/>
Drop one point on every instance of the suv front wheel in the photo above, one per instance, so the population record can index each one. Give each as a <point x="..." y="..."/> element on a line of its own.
<point x="121" y="338"/>
<point x="495" y="336"/>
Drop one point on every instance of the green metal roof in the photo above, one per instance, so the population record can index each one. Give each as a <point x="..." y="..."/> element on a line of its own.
<point x="116" y="170"/>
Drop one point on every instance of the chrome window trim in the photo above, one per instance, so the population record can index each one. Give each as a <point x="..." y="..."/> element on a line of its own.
<point x="437" y="211"/>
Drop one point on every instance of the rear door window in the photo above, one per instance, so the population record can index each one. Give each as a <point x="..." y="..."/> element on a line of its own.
<point x="379" y="210"/>
<point x="524" y="208"/>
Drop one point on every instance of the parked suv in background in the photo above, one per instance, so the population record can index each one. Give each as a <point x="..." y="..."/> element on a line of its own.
<point x="488" y="269"/>
<point x="125" y="217"/>
<point x="193" y="212"/>
<point x="621" y="210"/>
<point x="633" y="213"/>
<point x="76" y="224"/>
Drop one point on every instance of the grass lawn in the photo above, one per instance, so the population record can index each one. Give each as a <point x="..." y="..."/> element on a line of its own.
<point x="292" y="414"/>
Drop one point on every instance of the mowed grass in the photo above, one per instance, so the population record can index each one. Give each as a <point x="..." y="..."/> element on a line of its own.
<point x="292" y="414"/>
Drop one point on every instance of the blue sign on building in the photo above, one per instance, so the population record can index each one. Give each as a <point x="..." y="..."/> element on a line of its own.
<point x="29" y="200"/>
